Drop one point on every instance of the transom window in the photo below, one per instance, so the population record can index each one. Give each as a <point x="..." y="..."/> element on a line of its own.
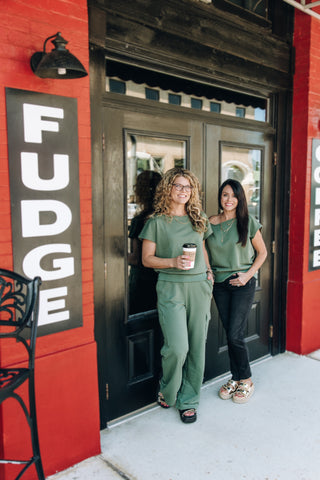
<point x="145" y="84"/>
<point x="259" y="7"/>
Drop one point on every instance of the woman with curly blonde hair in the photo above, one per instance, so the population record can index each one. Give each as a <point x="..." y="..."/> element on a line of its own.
<point x="162" y="201"/>
<point x="184" y="293"/>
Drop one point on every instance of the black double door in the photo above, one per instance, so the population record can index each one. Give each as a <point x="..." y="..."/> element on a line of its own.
<point x="138" y="147"/>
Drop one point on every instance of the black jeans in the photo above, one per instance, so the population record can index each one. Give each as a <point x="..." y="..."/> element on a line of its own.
<point x="234" y="305"/>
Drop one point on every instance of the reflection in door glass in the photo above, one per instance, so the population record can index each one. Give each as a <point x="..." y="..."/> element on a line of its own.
<point x="244" y="164"/>
<point x="147" y="159"/>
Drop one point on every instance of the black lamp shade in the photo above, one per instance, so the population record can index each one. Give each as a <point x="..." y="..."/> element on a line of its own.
<point x="59" y="63"/>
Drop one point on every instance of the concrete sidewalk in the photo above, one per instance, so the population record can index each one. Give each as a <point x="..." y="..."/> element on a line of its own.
<point x="275" y="436"/>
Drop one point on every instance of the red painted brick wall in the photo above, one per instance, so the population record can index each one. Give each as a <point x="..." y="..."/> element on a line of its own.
<point x="66" y="369"/>
<point x="303" y="333"/>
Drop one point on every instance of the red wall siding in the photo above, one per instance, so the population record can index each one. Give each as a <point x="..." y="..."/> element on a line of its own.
<point x="303" y="334"/>
<point x="66" y="369"/>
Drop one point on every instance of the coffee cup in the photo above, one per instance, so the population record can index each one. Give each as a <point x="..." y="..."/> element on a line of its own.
<point x="190" y="249"/>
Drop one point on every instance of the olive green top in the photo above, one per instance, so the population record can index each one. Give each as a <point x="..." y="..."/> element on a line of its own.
<point x="169" y="234"/>
<point x="226" y="255"/>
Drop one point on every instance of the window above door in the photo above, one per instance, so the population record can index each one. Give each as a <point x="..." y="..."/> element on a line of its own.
<point x="259" y="7"/>
<point x="142" y="83"/>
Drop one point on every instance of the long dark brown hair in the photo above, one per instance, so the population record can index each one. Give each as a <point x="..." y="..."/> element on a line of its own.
<point x="145" y="189"/>
<point x="242" y="208"/>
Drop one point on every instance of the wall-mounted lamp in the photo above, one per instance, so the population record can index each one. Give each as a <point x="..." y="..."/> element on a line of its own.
<point x="59" y="63"/>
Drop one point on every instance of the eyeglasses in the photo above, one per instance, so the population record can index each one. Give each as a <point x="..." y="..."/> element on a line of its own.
<point x="181" y="188"/>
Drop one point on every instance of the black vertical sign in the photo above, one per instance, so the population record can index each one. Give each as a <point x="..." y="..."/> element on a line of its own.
<point x="45" y="206"/>
<point x="314" y="243"/>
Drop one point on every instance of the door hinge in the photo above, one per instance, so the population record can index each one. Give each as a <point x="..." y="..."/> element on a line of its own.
<point x="103" y="142"/>
<point x="270" y="331"/>
<point x="273" y="246"/>
<point x="107" y="391"/>
<point x="105" y="270"/>
<point x="275" y="158"/>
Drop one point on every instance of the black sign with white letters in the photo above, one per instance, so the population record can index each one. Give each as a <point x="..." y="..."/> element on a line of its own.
<point x="314" y="245"/>
<point x="45" y="205"/>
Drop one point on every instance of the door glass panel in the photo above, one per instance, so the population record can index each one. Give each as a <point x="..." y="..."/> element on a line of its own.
<point x="147" y="158"/>
<point x="244" y="164"/>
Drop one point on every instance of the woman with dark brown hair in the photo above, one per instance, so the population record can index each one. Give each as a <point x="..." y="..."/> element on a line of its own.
<point x="236" y="251"/>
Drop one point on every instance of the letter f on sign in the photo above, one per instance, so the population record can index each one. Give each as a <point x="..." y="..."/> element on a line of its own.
<point x="33" y="123"/>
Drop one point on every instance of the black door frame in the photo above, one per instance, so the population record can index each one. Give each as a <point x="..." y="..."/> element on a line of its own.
<point x="279" y="128"/>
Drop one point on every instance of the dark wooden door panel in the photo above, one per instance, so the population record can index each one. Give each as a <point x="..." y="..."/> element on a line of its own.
<point x="129" y="342"/>
<point x="247" y="157"/>
<point x="130" y="347"/>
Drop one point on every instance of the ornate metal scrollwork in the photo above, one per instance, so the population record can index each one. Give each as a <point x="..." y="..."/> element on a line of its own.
<point x="13" y="301"/>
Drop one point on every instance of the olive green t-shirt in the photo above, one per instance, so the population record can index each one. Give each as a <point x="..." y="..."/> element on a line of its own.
<point x="169" y="234"/>
<point x="226" y="255"/>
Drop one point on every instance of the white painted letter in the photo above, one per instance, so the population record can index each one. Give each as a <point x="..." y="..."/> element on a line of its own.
<point x="33" y="123"/>
<point x="46" y="305"/>
<point x="64" y="267"/>
<point x="316" y="174"/>
<point x="316" y="238"/>
<point x="30" y="217"/>
<point x="317" y="217"/>
<point x="317" y="196"/>
<point x="30" y="172"/>
<point x="316" y="258"/>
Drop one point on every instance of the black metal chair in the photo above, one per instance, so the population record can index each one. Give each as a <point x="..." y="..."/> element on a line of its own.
<point x="19" y="299"/>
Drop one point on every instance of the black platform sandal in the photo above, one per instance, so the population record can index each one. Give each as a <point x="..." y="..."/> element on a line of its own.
<point x="161" y="401"/>
<point x="188" y="418"/>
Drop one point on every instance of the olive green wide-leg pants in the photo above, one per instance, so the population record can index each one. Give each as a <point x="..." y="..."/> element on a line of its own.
<point x="184" y="314"/>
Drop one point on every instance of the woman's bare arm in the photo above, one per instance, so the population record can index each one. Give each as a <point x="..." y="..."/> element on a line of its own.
<point x="150" y="260"/>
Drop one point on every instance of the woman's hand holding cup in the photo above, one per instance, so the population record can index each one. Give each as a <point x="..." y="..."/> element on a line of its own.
<point x="183" y="262"/>
<point x="187" y="259"/>
<point x="189" y="250"/>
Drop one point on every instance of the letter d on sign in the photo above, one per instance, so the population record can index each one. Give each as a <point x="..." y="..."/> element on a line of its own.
<point x="30" y="217"/>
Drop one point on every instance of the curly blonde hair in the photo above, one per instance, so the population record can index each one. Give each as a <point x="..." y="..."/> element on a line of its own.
<point x="162" y="199"/>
